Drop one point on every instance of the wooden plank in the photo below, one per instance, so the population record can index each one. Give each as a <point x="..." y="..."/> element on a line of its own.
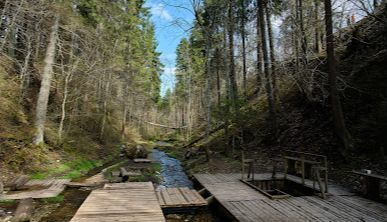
<point x="126" y="173"/>
<point x="124" y="202"/>
<point x="247" y="205"/>
<point x="160" y="198"/>
<point x="53" y="188"/>
<point x="180" y="198"/>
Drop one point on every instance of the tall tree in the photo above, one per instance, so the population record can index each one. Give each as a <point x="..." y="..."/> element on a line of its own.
<point x="243" y="18"/>
<point x="272" y="49"/>
<point x="267" y="71"/>
<point x="41" y="106"/>
<point x="338" y="117"/>
<point x="233" y="84"/>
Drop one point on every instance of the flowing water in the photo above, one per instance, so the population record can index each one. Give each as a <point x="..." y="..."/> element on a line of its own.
<point x="172" y="173"/>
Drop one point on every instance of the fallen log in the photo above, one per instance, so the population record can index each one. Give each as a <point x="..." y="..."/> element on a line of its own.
<point x="221" y="126"/>
<point x="24" y="211"/>
<point x="142" y="160"/>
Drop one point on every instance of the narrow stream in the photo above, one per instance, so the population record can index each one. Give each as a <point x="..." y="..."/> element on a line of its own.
<point x="172" y="173"/>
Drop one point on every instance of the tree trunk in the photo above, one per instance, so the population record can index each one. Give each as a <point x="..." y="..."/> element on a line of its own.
<point x="218" y="92"/>
<point x="304" y="43"/>
<point x="317" y="43"/>
<point x="41" y="107"/>
<point x="272" y="53"/>
<point x="63" y="106"/>
<point x="124" y="111"/>
<point x="243" y="36"/>
<point x="24" y="70"/>
<point x="338" y="116"/>
<point x="233" y="84"/>
<point x="208" y="98"/>
<point x="11" y="30"/>
<point x="105" y="106"/>
<point x="268" y="86"/>
<point x="259" y="53"/>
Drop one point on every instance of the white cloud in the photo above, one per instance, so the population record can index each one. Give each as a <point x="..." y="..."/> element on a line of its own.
<point x="159" y="11"/>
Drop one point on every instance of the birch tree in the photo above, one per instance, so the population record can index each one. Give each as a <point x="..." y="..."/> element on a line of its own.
<point x="44" y="92"/>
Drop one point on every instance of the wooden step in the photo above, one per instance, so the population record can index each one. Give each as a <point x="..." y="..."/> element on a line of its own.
<point x="181" y="197"/>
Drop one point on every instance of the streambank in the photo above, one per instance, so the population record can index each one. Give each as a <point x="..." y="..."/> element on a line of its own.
<point x="167" y="169"/>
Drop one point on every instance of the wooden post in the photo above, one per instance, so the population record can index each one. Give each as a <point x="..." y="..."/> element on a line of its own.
<point x="326" y="173"/>
<point x="320" y="183"/>
<point x="243" y="165"/>
<point x="371" y="188"/>
<point x="24" y="211"/>
<point x="286" y="167"/>
<point x="303" y="168"/>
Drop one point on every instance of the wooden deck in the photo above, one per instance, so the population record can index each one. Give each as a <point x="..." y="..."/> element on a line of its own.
<point x="124" y="202"/>
<point x="38" y="189"/>
<point x="181" y="197"/>
<point x="246" y="204"/>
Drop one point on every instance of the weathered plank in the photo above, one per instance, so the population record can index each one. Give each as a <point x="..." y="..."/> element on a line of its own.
<point x="49" y="188"/>
<point x="246" y="204"/>
<point x="181" y="197"/>
<point x="124" y="202"/>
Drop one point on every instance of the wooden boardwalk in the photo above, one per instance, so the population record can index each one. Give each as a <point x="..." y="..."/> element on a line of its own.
<point x="181" y="197"/>
<point x="246" y="204"/>
<point x="123" y="202"/>
<point x="38" y="189"/>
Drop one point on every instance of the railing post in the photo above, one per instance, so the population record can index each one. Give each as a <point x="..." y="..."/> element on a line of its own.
<point x="326" y="173"/>
<point x="303" y="168"/>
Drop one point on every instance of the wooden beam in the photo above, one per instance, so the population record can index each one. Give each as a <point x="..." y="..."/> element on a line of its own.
<point x="24" y="210"/>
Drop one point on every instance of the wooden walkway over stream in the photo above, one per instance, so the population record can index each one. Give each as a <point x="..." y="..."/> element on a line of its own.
<point x="124" y="202"/>
<point x="135" y="201"/>
<point x="246" y="204"/>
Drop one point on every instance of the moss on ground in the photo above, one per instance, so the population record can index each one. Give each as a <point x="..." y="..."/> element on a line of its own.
<point x="57" y="199"/>
<point x="70" y="170"/>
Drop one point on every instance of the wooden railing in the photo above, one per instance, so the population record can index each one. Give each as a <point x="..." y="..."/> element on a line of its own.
<point x="317" y="162"/>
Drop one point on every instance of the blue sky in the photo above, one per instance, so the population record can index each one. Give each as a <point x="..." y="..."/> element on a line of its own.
<point x="172" y="19"/>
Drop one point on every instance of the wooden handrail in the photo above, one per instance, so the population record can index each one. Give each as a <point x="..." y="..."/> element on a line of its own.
<point x="304" y="153"/>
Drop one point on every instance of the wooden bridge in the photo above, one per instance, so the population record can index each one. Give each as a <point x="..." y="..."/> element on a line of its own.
<point x="121" y="202"/>
<point x="244" y="203"/>
<point x="135" y="201"/>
